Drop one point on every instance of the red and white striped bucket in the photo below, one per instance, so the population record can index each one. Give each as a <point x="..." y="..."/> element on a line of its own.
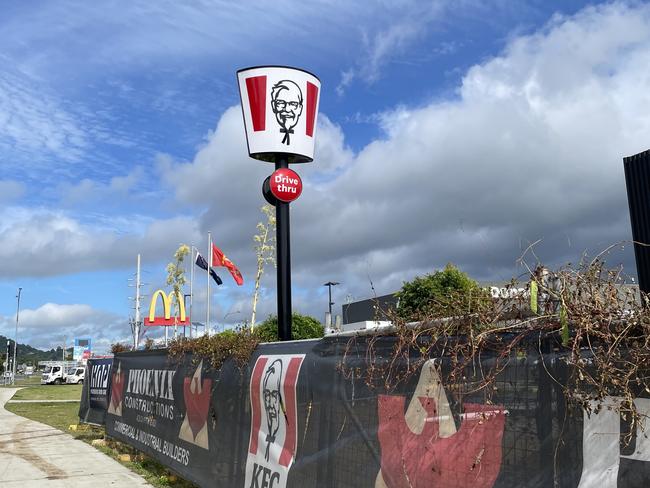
<point x="280" y="108"/>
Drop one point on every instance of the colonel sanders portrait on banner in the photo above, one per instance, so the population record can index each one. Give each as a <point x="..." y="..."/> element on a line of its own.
<point x="286" y="102"/>
<point x="273" y="403"/>
<point x="274" y="419"/>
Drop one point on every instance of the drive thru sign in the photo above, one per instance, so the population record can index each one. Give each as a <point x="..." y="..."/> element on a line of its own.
<point x="285" y="185"/>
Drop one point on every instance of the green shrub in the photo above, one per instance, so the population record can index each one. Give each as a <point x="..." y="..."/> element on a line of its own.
<point x="302" y="327"/>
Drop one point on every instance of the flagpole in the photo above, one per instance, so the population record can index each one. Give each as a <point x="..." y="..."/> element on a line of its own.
<point x="207" y="317"/>
<point x="191" y="287"/>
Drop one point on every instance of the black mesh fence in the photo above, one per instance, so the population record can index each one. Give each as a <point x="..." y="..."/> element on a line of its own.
<point x="293" y="418"/>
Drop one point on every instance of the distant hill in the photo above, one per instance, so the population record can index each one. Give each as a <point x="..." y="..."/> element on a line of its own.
<point x="30" y="355"/>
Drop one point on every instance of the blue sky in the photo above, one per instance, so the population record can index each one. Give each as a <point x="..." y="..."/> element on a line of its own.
<point x="449" y="131"/>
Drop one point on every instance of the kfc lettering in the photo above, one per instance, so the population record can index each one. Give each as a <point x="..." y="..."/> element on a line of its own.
<point x="285" y="185"/>
<point x="264" y="477"/>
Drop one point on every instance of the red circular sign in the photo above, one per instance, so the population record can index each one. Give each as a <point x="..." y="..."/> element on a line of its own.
<point x="285" y="185"/>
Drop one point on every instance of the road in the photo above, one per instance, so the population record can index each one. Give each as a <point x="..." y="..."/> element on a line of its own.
<point x="36" y="455"/>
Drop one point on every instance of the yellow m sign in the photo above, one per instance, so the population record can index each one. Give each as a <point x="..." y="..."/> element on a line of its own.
<point x="167" y="318"/>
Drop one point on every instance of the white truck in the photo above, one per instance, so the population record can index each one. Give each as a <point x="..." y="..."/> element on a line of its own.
<point x="53" y="375"/>
<point x="55" y="372"/>
<point x="76" y="376"/>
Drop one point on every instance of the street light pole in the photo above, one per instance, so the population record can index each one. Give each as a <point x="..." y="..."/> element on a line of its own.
<point x="227" y="315"/>
<point x="13" y="379"/>
<point x="329" y="285"/>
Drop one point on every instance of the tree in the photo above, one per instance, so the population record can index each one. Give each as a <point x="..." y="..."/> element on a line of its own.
<point x="176" y="278"/>
<point x="443" y="293"/>
<point x="264" y="249"/>
<point x="302" y="327"/>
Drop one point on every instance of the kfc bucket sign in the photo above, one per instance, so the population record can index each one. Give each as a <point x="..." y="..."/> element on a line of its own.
<point x="280" y="106"/>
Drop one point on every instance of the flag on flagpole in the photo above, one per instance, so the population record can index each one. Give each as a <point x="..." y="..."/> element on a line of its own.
<point x="203" y="264"/>
<point x="220" y="259"/>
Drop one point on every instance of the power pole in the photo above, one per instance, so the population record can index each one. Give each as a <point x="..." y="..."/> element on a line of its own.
<point x="13" y="378"/>
<point x="136" y="327"/>
<point x="136" y="322"/>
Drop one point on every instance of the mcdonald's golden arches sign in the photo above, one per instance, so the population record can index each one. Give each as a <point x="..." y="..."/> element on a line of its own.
<point x="167" y="318"/>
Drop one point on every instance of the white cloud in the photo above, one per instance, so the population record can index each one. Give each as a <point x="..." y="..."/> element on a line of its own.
<point x="531" y="149"/>
<point x="50" y="324"/>
<point x="43" y="242"/>
<point x="129" y="34"/>
<point x="88" y="191"/>
<point x="35" y="124"/>
<point x="403" y="24"/>
<point x="52" y="315"/>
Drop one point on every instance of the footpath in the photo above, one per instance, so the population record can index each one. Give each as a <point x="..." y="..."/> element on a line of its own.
<point x="36" y="455"/>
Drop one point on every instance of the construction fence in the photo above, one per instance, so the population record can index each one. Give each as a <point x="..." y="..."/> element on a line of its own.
<point x="292" y="418"/>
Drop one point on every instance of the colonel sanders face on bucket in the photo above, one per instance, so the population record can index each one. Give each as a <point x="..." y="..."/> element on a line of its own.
<point x="286" y="102"/>
<point x="272" y="401"/>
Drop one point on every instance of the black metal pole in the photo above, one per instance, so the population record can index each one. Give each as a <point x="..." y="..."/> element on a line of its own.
<point x="283" y="254"/>
<point x="329" y="286"/>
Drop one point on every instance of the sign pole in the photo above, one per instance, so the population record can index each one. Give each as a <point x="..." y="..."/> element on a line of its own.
<point x="282" y="218"/>
<point x="279" y="105"/>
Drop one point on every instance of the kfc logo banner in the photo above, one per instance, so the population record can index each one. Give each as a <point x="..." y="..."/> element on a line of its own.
<point x="196" y="392"/>
<point x="274" y="432"/>
<point x="280" y="108"/>
<point x="423" y="447"/>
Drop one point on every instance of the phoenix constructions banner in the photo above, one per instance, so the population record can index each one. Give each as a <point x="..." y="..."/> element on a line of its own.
<point x="291" y="419"/>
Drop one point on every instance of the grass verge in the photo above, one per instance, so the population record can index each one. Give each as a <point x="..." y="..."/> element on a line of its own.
<point x="49" y="392"/>
<point x="22" y="381"/>
<point x="62" y="415"/>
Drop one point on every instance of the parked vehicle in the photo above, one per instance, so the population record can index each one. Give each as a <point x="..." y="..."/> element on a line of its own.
<point x="76" y="376"/>
<point x="29" y="370"/>
<point x="53" y="375"/>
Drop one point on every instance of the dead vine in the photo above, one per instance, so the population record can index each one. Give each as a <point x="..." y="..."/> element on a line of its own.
<point x="597" y="325"/>
<point x="237" y="345"/>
